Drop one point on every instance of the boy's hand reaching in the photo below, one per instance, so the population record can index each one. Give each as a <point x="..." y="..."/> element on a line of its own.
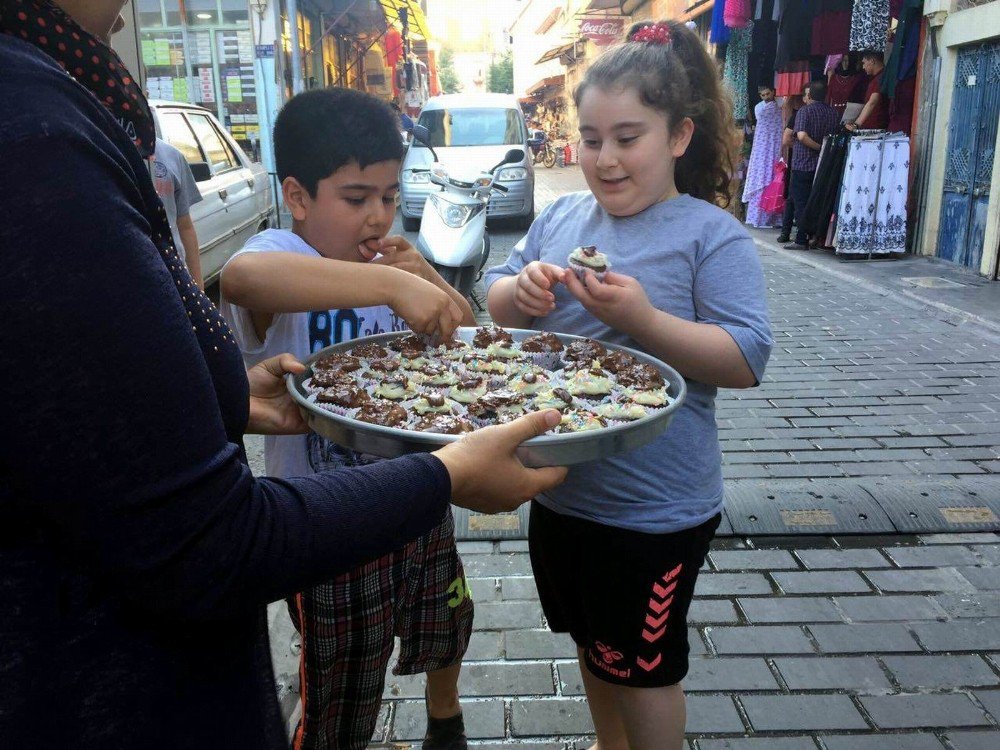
<point x="399" y="253"/>
<point x="533" y="291"/>
<point x="618" y="301"/>
<point x="425" y="308"/>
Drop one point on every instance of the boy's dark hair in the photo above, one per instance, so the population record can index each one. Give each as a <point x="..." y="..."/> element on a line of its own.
<point x="817" y="91"/>
<point x="319" y="131"/>
<point x="681" y="80"/>
<point x="871" y="54"/>
<point x="765" y="87"/>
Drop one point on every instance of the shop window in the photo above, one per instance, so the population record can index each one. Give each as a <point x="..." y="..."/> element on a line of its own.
<point x="150" y="13"/>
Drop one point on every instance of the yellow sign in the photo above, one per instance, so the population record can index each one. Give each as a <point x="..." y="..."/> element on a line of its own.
<point x="499" y="522"/>
<point x="415" y="15"/>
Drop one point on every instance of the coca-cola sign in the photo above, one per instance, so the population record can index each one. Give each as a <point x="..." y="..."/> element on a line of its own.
<point x="602" y="30"/>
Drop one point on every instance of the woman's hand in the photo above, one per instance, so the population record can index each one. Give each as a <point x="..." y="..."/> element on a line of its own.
<point x="619" y="301"/>
<point x="487" y="476"/>
<point x="533" y="294"/>
<point x="272" y="410"/>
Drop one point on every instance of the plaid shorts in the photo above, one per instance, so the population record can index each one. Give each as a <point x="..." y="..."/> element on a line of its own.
<point x="417" y="593"/>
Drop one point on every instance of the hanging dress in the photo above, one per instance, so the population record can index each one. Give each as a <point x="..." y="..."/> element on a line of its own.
<point x="869" y="25"/>
<point x="764" y="154"/>
<point x="735" y="70"/>
<point x="736" y="13"/>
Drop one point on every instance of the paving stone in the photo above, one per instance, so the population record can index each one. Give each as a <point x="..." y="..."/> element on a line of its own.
<point x="984" y="579"/>
<point x="570" y="681"/>
<point x="959" y="635"/>
<point x="518" y="587"/>
<point x="909" y="711"/>
<point x="882" y="741"/>
<point x="989" y="552"/>
<point x="988" y="739"/>
<point x="506" y="679"/>
<point x="712" y="714"/>
<point x="968" y="537"/>
<point x="942" y="579"/>
<point x="731" y="584"/>
<point x="758" y="559"/>
<point x="853" y="673"/>
<point x="485" y="566"/>
<point x="990" y="699"/>
<point x="513" y="545"/>
<point x="818" y="559"/>
<point x="539" y="644"/>
<point x="483" y="590"/>
<point x="759" y="743"/>
<point x="508" y="615"/>
<point x="888" y="608"/>
<point x="976" y="604"/>
<point x="475" y="548"/>
<point x="710" y="611"/>
<point x="556" y="716"/>
<point x="482" y="719"/>
<point x="720" y="674"/>
<point x="485" y="646"/>
<point x="761" y="639"/>
<point x="790" y="609"/>
<point x="936" y="556"/>
<point x="865" y="638"/>
<point x="940" y="672"/>
<point x="821" y="582"/>
<point x="787" y="713"/>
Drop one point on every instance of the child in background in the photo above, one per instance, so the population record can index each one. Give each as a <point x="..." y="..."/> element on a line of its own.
<point x="336" y="276"/>
<point x="616" y="550"/>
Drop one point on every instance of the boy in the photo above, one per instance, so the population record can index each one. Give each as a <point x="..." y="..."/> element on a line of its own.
<point x="338" y="154"/>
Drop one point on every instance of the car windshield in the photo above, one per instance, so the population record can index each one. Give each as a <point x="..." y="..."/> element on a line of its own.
<point x="473" y="127"/>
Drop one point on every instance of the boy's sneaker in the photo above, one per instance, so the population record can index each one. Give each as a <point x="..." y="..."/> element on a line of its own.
<point x="445" y="734"/>
<point x="783" y="238"/>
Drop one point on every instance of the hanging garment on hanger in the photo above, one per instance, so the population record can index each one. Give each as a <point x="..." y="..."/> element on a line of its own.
<point x="763" y="46"/>
<point x="826" y="187"/>
<point x="842" y="89"/>
<point x="872" y="211"/>
<point x="794" y="31"/>
<point x="764" y="154"/>
<point x="736" y="13"/>
<point x="869" y="25"/>
<point x="719" y="33"/>
<point x="902" y="62"/>
<point x="831" y="30"/>
<point x="735" y="71"/>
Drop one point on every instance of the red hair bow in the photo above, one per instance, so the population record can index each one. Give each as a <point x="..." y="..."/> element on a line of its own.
<point x="657" y="33"/>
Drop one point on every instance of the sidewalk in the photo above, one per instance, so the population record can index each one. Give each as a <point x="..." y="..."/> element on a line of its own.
<point x="875" y="397"/>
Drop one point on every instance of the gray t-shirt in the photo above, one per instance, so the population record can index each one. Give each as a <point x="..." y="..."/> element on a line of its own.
<point x="694" y="261"/>
<point x="175" y="185"/>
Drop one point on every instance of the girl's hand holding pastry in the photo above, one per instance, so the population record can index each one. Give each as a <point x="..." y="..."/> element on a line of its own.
<point x="619" y="301"/>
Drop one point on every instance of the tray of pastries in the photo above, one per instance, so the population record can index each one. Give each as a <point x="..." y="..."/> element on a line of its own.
<point x="397" y="393"/>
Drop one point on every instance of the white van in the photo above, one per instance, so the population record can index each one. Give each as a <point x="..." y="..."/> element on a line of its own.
<point x="471" y="133"/>
<point x="237" y="201"/>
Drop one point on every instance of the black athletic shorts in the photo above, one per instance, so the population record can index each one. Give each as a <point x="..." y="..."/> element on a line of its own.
<point x="622" y="595"/>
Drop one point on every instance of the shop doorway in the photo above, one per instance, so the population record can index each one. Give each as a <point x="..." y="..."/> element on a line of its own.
<point x="975" y="110"/>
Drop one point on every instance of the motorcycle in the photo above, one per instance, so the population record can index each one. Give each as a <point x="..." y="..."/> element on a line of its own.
<point x="453" y="235"/>
<point x="541" y="149"/>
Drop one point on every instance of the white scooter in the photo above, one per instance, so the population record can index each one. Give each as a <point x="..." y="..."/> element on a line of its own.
<point x="453" y="235"/>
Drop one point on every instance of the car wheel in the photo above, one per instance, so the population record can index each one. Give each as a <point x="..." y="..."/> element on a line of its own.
<point x="411" y="224"/>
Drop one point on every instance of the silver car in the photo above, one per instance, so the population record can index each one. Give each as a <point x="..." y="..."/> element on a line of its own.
<point x="471" y="133"/>
<point x="237" y="200"/>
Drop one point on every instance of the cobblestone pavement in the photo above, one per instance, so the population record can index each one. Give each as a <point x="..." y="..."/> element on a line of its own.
<point x="820" y="642"/>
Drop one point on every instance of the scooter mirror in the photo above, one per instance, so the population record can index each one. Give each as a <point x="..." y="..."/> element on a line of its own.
<point x="514" y="155"/>
<point x="422" y="134"/>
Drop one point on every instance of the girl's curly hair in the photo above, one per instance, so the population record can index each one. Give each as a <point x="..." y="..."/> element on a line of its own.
<point x="680" y="79"/>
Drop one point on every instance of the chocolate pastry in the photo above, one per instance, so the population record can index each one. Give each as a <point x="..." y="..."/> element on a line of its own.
<point x="409" y="345"/>
<point x="348" y="396"/>
<point x="584" y="351"/>
<point x="491" y="335"/>
<point x="337" y="362"/>
<point x="640" y="376"/>
<point x="445" y="424"/>
<point x="563" y="395"/>
<point x="369" y="351"/>
<point x="452" y="344"/>
<point x="383" y="413"/>
<point x="542" y="342"/>
<point x="390" y="364"/>
<point x="491" y="404"/>
<point x="617" y="361"/>
<point x="330" y="378"/>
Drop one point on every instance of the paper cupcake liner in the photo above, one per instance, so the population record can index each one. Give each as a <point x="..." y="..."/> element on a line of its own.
<point x="545" y="360"/>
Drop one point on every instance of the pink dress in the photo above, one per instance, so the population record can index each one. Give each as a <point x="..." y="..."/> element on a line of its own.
<point x="736" y="14"/>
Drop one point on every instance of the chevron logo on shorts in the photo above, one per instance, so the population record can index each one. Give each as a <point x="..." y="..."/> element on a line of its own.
<point x="649" y="666"/>
<point x="659" y="605"/>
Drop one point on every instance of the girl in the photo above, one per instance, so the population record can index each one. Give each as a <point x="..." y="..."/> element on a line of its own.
<point x="617" y="549"/>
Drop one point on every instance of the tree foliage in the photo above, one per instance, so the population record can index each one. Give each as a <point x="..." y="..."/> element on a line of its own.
<point x="447" y="76"/>
<point x="500" y="77"/>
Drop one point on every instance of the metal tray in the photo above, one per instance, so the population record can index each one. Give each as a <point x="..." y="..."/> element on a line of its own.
<point x="546" y="450"/>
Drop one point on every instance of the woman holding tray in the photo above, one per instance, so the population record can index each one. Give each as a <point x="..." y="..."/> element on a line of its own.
<point x="137" y="551"/>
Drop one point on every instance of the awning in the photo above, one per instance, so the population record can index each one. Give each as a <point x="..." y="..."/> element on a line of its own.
<point x="555" y="52"/>
<point x="546" y="83"/>
<point x="415" y="16"/>
<point x="605" y="5"/>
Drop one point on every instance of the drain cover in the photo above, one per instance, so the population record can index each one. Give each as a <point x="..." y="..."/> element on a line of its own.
<point x="932" y="282"/>
<point x="803" y="508"/>
<point x="940" y="507"/>
<point x="470" y="525"/>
